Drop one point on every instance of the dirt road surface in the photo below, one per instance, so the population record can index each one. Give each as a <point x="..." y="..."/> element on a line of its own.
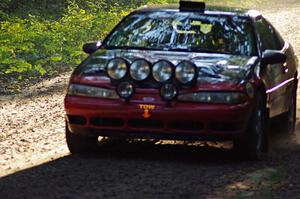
<point x="35" y="162"/>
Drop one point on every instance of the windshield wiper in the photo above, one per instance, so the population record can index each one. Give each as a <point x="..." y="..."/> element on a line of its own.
<point x="196" y="49"/>
<point x="131" y="48"/>
<point x="188" y="49"/>
<point x="179" y="49"/>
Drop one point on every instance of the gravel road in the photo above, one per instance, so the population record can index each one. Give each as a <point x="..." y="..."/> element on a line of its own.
<point x="35" y="162"/>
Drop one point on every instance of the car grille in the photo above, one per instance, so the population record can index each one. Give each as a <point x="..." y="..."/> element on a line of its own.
<point x="141" y="123"/>
<point x="76" y="119"/>
<point x="179" y="125"/>
<point x="186" y="125"/>
<point x="225" y="126"/>
<point x="115" y="122"/>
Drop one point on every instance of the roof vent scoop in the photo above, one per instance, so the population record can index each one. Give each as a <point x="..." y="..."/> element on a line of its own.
<point x="188" y="5"/>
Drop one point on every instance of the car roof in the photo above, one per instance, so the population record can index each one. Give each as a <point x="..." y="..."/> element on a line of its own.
<point x="217" y="10"/>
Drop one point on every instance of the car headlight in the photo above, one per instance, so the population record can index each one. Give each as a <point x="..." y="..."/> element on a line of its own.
<point x="185" y="72"/>
<point x="139" y="70"/>
<point x="162" y="71"/>
<point x="214" y="97"/>
<point x="117" y="68"/>
<point x="91" y="91"/>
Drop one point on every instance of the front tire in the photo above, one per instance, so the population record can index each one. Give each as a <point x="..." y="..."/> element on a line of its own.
<point x="254" y="143"/>
<point x="79" y="144"/>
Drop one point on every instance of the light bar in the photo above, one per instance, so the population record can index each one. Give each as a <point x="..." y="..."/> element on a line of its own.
<point x="185" y="5"/>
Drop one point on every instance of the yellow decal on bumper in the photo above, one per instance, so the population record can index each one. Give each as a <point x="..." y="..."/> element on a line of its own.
<point x="147" y="108"/>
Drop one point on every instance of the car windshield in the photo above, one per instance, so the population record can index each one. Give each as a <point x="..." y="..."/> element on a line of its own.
<point x="183" y="31"/>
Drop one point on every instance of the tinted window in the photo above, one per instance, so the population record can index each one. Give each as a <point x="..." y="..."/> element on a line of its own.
<point x="185" y="32"/>
<point x="269" y="38"/>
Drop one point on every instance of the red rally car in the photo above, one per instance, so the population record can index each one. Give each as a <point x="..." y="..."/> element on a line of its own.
<point x="184" y="72"/>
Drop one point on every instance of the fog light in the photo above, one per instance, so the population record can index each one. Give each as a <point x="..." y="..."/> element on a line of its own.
<point x="125" y="90"/>
<point x="162" y="71"/>
<point x="140" y="70"/>
<point x="168" y="92"/>
<point x="185" y="72"/>
<point x="117" y="68"/>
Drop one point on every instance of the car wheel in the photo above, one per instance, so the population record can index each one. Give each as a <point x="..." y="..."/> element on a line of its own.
<point x="254" y="143"/>
<point x="80" y="144"/>
<point x="289" y="118"/>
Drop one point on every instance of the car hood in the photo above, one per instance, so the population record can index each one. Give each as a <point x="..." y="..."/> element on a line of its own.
<point x="213" y="67"/>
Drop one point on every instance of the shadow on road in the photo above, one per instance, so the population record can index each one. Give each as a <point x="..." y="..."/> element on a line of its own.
<point x="126" y="171"/>
<point x="135" y="170"/>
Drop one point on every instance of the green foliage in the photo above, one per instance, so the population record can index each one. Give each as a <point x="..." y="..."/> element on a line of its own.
<point x="34" y="46"/>
<point x="35" y="41"/>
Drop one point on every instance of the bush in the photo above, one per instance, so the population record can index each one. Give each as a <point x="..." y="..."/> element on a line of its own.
<point x="34" y="45"/>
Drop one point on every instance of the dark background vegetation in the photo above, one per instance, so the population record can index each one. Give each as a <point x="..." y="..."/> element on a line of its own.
<point x="42" y="38"/>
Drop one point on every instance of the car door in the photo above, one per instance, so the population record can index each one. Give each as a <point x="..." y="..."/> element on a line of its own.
<point x="274" y="75"/>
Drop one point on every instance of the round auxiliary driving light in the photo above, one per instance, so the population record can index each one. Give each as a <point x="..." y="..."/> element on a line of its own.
<point x="185" y="72"/>
<point x="117" y="68"/>
<point x="168" y="92"/>
<point x="162" y="71"/>
<point x="139" y="70"/>
<point x="125" y="90"/>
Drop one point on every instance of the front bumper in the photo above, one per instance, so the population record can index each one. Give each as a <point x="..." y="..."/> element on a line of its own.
<point x="176" y="120"/>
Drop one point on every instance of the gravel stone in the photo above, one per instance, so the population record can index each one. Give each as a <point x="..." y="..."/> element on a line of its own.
<point x="35" y="161"/>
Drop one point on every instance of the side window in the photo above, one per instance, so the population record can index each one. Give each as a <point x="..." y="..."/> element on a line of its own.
<point x="268" y="36"/>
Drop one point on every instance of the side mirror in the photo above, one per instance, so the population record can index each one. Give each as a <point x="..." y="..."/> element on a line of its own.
<point x="91" y="47"/>
<point x="273" y="57"/>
